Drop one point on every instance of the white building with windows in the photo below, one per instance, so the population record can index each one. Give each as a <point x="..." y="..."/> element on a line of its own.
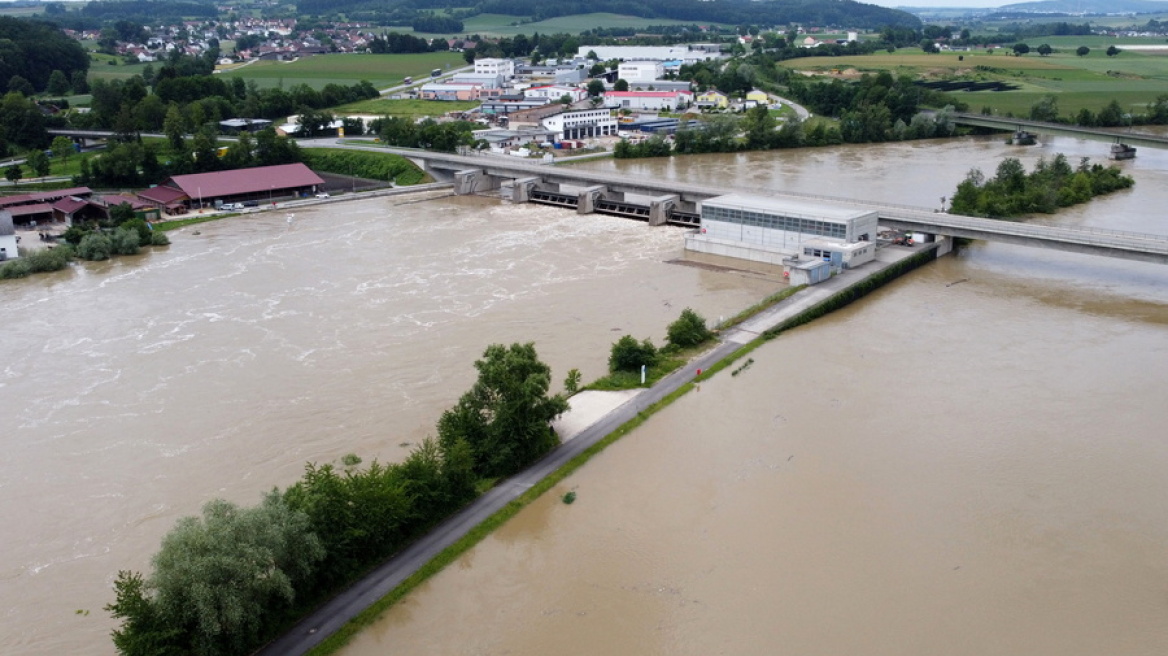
<point x="7" y="237"/>
<point x="656" y="101"/>
<point x="772" y="230"/>
<point x="581" y="124"/>
<point x="494" y="66"/>
<point x="640" y="71"/>
<point x="554" y="92"/>
<point x="685" y="53"/>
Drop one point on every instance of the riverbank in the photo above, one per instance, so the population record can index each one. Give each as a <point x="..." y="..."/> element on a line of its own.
<point x="335" y="623"/>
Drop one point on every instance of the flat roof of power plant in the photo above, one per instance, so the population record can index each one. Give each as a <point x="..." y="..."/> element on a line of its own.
<point x="788" y="207"/>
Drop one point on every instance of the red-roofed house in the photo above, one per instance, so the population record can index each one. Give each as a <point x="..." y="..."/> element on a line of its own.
<point x="167" y="199"/>
<point x="37" y="206"/>
<point x="262" y="183"/>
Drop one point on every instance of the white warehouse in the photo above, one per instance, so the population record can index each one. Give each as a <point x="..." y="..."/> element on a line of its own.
<point x="640" y="71"/>
<point x="772" y="230"/>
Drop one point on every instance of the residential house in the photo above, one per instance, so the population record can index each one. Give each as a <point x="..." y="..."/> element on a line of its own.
<point x="712" y="99"/>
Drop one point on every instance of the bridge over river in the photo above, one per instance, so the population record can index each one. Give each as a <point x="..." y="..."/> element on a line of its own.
<point x="665" y="202"/>
<point x="1123" y="142"/>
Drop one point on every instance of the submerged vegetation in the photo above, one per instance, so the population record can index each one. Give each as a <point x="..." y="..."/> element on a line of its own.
<point x="1051" y="185"/>
<point x="227" y="581"/>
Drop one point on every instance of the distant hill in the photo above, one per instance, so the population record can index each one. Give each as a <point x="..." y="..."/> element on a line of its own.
<point x="1076" y="7"/>
<point x="825" y="13"/>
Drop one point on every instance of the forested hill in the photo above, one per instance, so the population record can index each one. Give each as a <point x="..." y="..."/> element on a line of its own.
<point x="839" y="13"/>
<point x="32" y="49"/>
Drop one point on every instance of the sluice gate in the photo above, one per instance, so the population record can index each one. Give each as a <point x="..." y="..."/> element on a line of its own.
<point x="554" y="198"/>
<point x="621" y="208"/>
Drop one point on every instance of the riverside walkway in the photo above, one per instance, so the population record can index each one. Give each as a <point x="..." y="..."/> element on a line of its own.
<point x="334" y="614"/>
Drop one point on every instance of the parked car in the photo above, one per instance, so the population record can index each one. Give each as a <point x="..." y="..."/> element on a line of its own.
<point x="323" y="194"/>
<point x="251" y="203"/>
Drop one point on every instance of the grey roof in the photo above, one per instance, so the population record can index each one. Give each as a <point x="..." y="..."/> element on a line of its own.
<point x="788" y="207"/>
<point x="6" y="226"/>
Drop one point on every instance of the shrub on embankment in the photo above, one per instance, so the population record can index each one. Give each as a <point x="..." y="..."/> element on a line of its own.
<point x="37" y="261"/>
<point x="226" y="582"/>
<point x="364" y="164"/>
<point x="686" y="336"/>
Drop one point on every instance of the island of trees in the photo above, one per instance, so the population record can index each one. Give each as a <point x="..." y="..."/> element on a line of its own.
<point x="1052" y="184"/>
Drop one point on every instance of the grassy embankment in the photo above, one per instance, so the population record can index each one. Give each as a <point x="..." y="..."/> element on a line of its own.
<point x="407" y="108"/>
<point x="1134" y="79"/>
<point x="367" y="617"/>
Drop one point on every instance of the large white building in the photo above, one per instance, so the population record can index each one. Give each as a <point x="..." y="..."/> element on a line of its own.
<point x="685" y="52"/>
<point x="648" y="100"/>
<point x="640" y="71"/>
<point x="554" y="92"/>
<point x="772" y="230"/>
<point x="582" y="124"/>
<point x="493" y="66"/>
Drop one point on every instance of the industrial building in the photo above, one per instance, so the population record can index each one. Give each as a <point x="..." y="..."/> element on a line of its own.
<point x="780" y="231"/>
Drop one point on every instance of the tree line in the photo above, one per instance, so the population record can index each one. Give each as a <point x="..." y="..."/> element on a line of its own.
<point x="1051" y="185"/>
<point x="226" y="581"/>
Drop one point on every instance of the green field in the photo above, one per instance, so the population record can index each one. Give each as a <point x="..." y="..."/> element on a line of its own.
<point x="504" y="25"/>
<point x="347" y="69"/>
<point x="412" y="107"/>
<point x="1133" y="79"/>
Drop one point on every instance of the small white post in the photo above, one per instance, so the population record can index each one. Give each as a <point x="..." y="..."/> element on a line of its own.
<point x="642" y="374"/>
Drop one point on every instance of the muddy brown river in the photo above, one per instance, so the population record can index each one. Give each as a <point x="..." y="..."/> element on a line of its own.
<point x="968" y="461"/>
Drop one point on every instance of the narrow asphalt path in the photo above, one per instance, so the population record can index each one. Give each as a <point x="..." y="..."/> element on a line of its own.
<point x="333" y="615"/>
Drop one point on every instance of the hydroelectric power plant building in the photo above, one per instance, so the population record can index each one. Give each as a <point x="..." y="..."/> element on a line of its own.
<point x="783" y="232"/>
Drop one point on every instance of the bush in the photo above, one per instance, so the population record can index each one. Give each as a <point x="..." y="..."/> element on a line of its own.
<point x="15" y="269"/>
<point x="49" y="259"/>
<point x="689" y="330"/>
<point x="629" y="355"/>
<point x="126" y="241"/>
<point x="159" y="239"/>
<point x="140" y="226"/>
<point x="95" y="247"/>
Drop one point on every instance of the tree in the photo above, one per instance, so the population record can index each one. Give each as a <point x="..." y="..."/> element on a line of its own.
<point x="38" y="163"/>
<point x="225" y="576"/>
<point x="1045" y="49"/>
<point x="929" y="46"/>
<point x="62" y="148"/>
<point x="1082" y="51"/>
<point x="174" y="126"/>
<point x="13" y="174"/>
<point x="1112" y="51"/>
<point x="566" y="99"/>
<point x="143" y="631"/>
<point x="1021" y="49"/>
<point x="621" y="85"/>
<point x="688" y="330"/>
<point x="630" y="355"/>
<point x="58" y="83"/>
<point x="1045" y="109"/>
<point x="80" y="81"/>
<point x="595" y="88"/>
<point x="505" y="416"/>
<point x="20" y="85"/>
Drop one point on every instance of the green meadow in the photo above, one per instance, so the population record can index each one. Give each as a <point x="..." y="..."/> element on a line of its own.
<point x="316" y="72"/>
<point x="1132" y="78"/>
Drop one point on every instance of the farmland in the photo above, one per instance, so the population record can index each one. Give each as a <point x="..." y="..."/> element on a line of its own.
<point x="346" y="69"/>
<point x="411" y="108"/>
<point x="504" y="25"/>
<point x="1134" y="79"/>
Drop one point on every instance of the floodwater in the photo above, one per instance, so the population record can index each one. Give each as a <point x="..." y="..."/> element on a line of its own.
<point x="968" y="461"/>
<point x="134" y="391"/>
